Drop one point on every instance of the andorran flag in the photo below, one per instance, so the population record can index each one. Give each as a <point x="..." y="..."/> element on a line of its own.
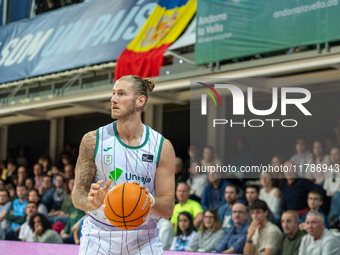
<point x="144" y="55"/>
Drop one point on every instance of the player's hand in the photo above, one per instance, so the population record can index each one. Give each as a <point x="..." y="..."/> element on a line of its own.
<point x="147" y="191"/>
<point x="97" y="195"/>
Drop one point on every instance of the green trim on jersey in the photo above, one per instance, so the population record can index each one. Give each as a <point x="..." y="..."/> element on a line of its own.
<point x="159" y="149"/>
<point x="97" y="145"/>
<point x="130" y="147"/>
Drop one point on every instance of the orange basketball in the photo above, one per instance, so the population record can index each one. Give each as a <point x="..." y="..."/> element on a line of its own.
<point x="126" y="206"/>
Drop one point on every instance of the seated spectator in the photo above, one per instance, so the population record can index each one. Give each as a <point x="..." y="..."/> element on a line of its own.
<point x="76" y="229"/>
<point x="22" y="174"/>
<point x="318" y="160"/>
<point x="16" y="213"/>
<point x="185" y="232"/>
<point x="186" y="205"/>
<point x="290" y="239"/>
<point x="231" y="195"/>
<point x="179" y="176"/>
<point x="11" y="169"/>
<point x="29" y="183"/>
<point x="319" y="240"/>
<point x="197" y="182"/>
<point x="253" y="194"/>
<point x="59" y="194"/>
<point x="235" y="239"/>
<point x="38" y="176"/>
<point x="262" y="235"/>
<point x="51" y="5"/>
<point x="211" y="234"/>
<point x="334" y="212"/>
<point x="26" y="234"/>
<point x="332" y="180"/>
<point x="213" y="194"/>
<point x="46" y="163"/>
<point x="209" y="157"/>
<point x="302" y="154"/>
<point x="68" y="172"/>
<point x="62" y="214"/>
<point x="74" y="215"/>
<point x="5" y="205"/>
<point x="22" y="159"/>
<point x="314" y="202"/>
<point x="193" y="156"/>
<point x="34" y="196"/>
<point x="295" y="192"/>
<point x="166" y="233"/>
<point x="42" y="229"/>
<point x="243" y="156"/>
<point x="3" y="169"/>
<point x="11" y="190"/>
<point x="46" y="192"/>
<point x="279" y="179"/>
<point x="2" y="184"/>
<point x="270" y="194"/>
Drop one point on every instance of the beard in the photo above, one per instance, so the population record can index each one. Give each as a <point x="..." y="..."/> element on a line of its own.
<point x="124" y="113"/>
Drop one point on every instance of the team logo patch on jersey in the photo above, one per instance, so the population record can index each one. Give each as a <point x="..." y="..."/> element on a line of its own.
<point x="107" y="159"/>
<point x="147" y="158"/>
<point x="114" y="175"/>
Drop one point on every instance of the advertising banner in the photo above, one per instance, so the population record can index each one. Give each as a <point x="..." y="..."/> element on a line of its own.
<point x="237" y="28"/>
<point x="70" y="37"/>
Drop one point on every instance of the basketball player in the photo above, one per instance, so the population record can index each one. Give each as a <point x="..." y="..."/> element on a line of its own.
<point x="124" y="151"/>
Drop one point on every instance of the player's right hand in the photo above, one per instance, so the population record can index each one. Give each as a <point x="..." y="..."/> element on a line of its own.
<point x="97" y="195"/>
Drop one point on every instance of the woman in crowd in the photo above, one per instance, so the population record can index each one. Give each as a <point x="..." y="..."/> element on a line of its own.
<point x="185" y="232"/>
<point x="317" y="164"/>
<point x="34" y="196"/>
<point x="270" y="194"/>
<point x="42" y="229"/>
<point x="211" y="234"/>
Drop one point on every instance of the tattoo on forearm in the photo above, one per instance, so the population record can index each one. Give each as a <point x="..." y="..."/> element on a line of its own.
<point x="85" y="171"/>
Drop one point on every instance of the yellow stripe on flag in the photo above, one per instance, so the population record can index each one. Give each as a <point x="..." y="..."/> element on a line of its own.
<point x="163" y="27"/>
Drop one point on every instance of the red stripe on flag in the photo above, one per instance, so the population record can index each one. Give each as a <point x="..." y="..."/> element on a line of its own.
<point x="143" y="64"/>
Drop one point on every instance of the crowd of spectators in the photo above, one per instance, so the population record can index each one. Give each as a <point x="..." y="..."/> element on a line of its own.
<point x="49" y="5"/>
<point x="36" y="201"/>
<point x="279" y="212"/>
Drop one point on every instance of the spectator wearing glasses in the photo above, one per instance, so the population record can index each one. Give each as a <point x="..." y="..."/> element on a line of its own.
<point x="235" y="239"/>
<point x="211" y="234"/>
<point x="314" y="202"/>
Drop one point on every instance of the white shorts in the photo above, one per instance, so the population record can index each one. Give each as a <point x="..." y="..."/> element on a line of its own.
<point x="99" y="238"/>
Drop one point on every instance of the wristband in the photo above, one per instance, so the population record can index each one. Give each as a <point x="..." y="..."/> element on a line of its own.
<point x="249" y="241"/>
<point x="152" y="199"/>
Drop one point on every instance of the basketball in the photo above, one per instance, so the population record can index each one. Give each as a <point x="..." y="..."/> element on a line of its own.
<point x="126" y="206"/>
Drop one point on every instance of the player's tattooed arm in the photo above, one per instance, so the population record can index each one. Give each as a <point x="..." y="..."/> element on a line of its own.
<point x="85" y="172"/>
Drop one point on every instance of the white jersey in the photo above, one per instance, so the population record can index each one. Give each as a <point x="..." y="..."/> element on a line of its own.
<point x="122" y="163"/>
